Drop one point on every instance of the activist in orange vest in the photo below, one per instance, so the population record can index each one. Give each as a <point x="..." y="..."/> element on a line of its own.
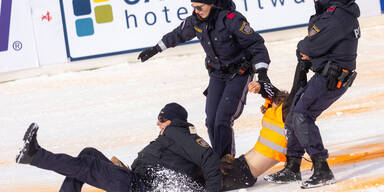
<point x="269" y="149"/>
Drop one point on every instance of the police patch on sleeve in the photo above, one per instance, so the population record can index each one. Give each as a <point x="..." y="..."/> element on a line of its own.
<point x="202" y="142"/>
<point x="313" y="31"/>
<point x="245" y="28"/>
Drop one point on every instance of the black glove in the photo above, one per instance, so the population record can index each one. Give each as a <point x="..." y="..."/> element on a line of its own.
<point x="267" y="90"/>
<point x="262" y="75"/>
<point x="148" y="53"/>
<point x="333" y="74"/>
<point x="304" y="65"/>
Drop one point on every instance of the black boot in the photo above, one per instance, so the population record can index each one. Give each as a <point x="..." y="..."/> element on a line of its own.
<point x="30" y="147"/>
<point x="237" y="175"/>
<point x="322" y="174"/>
<point x="290" y="173"/>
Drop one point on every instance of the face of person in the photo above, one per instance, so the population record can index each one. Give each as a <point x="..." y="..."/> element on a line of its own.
<point x="201" y="9"/>
<point x="163" y="123"/>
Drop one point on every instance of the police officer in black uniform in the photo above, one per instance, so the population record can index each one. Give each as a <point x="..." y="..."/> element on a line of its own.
<point x="330" y="51"/>
<point x="234" y="52"/>
<point x="178" y="151"/>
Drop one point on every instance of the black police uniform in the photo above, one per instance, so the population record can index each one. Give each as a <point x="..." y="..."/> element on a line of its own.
<point x="177" y="149"/>
<point x="234" y="52"/>
<point x="331" y="44"/>
<point x="181" y="150"/>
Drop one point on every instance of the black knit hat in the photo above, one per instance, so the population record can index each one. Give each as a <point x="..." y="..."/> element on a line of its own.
<point x="205" y="1"/>
<point x="173" y="111"/>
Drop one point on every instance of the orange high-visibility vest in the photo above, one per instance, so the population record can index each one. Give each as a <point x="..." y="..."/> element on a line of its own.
<point x="272" y="142"/>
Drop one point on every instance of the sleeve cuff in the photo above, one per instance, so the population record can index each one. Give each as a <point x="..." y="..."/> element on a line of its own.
<point x="260" y="65"/>
<point x="162" y="45"/>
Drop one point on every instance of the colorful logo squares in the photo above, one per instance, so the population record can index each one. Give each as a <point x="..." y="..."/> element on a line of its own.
<point x="84" y="26"/>
<point x="103" y="14"/>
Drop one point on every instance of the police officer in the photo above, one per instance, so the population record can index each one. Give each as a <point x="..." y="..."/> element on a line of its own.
<point x="330" y="49"/>
<point x="234" y="52"/>
<point x="178" y="151"/>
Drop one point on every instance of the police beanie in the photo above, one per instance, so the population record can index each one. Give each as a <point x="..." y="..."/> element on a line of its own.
<point x="204" y="1"/>
<point x="173" y="111"/>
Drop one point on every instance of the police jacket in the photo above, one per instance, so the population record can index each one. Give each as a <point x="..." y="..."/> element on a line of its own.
<point x="333" y="33"/>
<point x="226" y="37"/>
<point x="180" y="150"/>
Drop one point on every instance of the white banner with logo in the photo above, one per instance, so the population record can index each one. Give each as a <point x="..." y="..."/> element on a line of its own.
<point x="17" y="44"/>
<point x="105" y="27"/>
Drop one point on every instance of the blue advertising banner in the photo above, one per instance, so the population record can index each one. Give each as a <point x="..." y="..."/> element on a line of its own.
<point x="382" y="6"/>
<point x="5" y="19"/>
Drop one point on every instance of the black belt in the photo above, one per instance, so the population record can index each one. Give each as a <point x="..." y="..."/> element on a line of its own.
<point x="345" y="78"/>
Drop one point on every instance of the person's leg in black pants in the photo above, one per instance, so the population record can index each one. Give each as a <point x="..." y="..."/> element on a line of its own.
<point x="90" y="167"/>
<point x="72" y="184"/>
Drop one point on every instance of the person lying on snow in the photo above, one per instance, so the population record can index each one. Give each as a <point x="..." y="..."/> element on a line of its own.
<point x="178" y="159"/>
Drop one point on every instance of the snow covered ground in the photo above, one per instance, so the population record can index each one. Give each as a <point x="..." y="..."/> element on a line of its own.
<point x="114" y="109"/>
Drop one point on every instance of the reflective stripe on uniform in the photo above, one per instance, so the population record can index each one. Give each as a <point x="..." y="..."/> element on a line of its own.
<point x="272" y="142"/>
<point x="273" y="127"/>
<point x="261" y="65"/>
<point x="162" y="45"/>
<point x="272" y="145"/>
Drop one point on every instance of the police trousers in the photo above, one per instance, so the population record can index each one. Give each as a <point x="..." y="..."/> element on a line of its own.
<point x="309" y="102"/>
<point x="224" y="103"/>
<point x="90" y="167"/>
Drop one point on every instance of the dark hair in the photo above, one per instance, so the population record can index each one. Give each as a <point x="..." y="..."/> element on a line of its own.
<point x="279" y="98"/>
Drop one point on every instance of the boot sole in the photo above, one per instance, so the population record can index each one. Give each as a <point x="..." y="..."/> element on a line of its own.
<point x="329" y="182"/>
<point x="32" y="129"/>
<point x="281" y="182"/>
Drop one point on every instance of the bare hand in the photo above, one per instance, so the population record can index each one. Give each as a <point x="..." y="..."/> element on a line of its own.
<point x="254" y="87"/>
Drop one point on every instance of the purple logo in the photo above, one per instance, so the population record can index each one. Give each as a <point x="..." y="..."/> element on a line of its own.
<point x="5" y="20"/>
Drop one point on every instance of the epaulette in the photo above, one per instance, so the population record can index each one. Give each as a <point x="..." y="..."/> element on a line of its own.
<point x="331" y="9"/>
<point x="231" y="15"/>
